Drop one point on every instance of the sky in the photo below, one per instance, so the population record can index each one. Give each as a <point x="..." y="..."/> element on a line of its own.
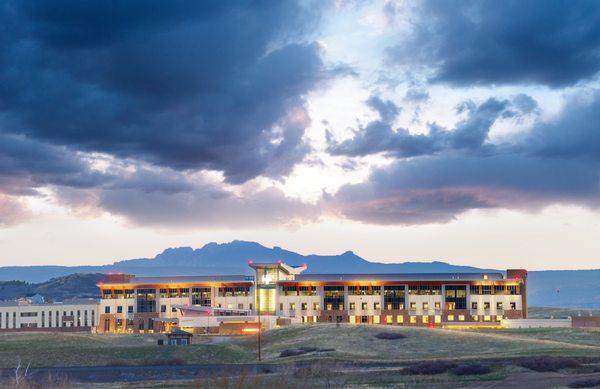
<point x="459" y="131"/>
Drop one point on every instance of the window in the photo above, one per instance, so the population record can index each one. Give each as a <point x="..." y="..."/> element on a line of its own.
<point x="456" y="295"/>
<point x="413" y="320"/>
<point x="437" y="319"/>
<point x="292" y="306"/>
<point x="376" y="319"/>
<point x="173" y="309"/>
<point x="498" y="289"/>
<point x="513" y="306"/>
<point x="475" y="289"/>
<point x="304" y="306"/>
<point x="425" y="306"/>
<point x="363" y="306"/>
<point x="164" y="293"/>
<point x="120" y="309"/>
<point x="499" y="305"/>
<point x="376" y="306"/>
<point x="28" y="314"/>
<point x="400" y="319"/>
<point x="474" y="305"/>
<point x="130" y="309"/>
<point x="461" y="317"/>
<point x="437" y="305"/>
<point x="425" y="319"/>
<point x="389" y="319"/>
<point x="146" y="300"/>
<point x="201" y="296"/>
<point x="240" y="306"/>
<point x="333" y="296"/>
<point x="163" y="308"/>
<point x="281" y="306"/>
<point x="450" y="317"/>
<point x="352" y="306"/>
<point x="107" y="309"/>
<point x="486" y="305"/>
<point x="486" y="289"/>
<point x="413" y="305"/>
<point x="487" y="318"/>
<point x="316" y="306"/>
<point x="413" y="289"/>
<point x="393" y="296"/>
<point x="475" y="318"/>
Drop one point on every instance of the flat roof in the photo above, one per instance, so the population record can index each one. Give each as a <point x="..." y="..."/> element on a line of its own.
<point x="401" y="277"/>
<point x="182" y="280"/>
<point x="52" y="304"/>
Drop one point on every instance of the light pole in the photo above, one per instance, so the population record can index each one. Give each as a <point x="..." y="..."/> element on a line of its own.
<point x="259" y="323"/>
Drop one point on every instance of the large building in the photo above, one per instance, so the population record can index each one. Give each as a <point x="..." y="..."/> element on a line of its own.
<point x="71" y="315"/>
<point x="136" y="304"/>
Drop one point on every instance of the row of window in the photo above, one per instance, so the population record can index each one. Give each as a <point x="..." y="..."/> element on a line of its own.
<point x="390" y="306"/>
<point x="197" y="292"/>
<point x="10" y="321"/>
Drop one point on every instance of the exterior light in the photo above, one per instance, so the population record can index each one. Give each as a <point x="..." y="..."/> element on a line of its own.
<point x="250" y="330"/>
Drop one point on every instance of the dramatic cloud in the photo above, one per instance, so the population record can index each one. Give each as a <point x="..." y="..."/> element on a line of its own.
<point x="217" y="86"/>
<point x="556" y="162"/>
<point x="503" y="42"/>
<point x="469" y="134"/>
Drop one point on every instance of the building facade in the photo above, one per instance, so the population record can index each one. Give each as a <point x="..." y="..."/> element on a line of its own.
<point x="72" y="315"/>
<point x="141" y="304"/>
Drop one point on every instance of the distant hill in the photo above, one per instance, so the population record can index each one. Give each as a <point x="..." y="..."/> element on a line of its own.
<point x="564" y="288"/>
<point x="56" y="289"/>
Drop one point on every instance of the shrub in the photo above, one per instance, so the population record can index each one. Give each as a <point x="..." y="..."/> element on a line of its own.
<point x="428" y="368"/>
<point x="165" y="362"/>
<point x="472" y="369"/>
<point x="548" y="363"/>
<point x="118" y="362"/>
<point x="390" y="335"/>
<point x="303" y="350"/>
<point x="589" y="383"/>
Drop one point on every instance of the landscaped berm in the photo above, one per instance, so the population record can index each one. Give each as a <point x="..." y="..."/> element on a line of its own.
<point x="319" y="354"/>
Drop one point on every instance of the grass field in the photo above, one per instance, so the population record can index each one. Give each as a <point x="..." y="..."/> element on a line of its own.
<point x="544" y="312"/>
<point x="349" y="342"/>
<point x="354" y="356"/>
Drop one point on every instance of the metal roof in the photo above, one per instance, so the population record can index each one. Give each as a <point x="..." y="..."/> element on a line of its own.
<point x="183" y="280"/>
<point x="401" y="277"/>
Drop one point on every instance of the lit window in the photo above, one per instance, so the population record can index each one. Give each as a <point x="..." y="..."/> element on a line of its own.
<point x="352" y="306"/>
<point x="425" y="319"/>
<point x="461" y="317"/>
<point x="292" y="306"/>
<point x="437" y="319"/>
<point x="352" y="319"/>
<point x="475" y="318"/>
<point x="438" y="305"/>
<point x="400" y="319"/>
<point x="376" y="306"/>
<point x="487" y="318"/>
<point x="329" y="306"/>
<point x="413" y="320"/>
<point x="450" y="317"/>
<point x="413" y="305"/>
<point x="363" y="306"/>
<point x="316" y="306"/>
<point x="425" y="306"/>
<point x="389" y="319"/>
<point x="376" y="319"/>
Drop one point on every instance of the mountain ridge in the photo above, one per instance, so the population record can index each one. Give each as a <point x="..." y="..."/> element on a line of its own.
<point x="559" y="288"/>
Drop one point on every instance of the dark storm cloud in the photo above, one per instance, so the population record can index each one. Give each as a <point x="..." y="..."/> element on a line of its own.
<point x="184" y="85"/>
<point x="469" y="134"/>
<point x="27" y="164"/>
<point x="207" y="206"/>
<point x="504" y="42"/>
<point x="555" y="162"/>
